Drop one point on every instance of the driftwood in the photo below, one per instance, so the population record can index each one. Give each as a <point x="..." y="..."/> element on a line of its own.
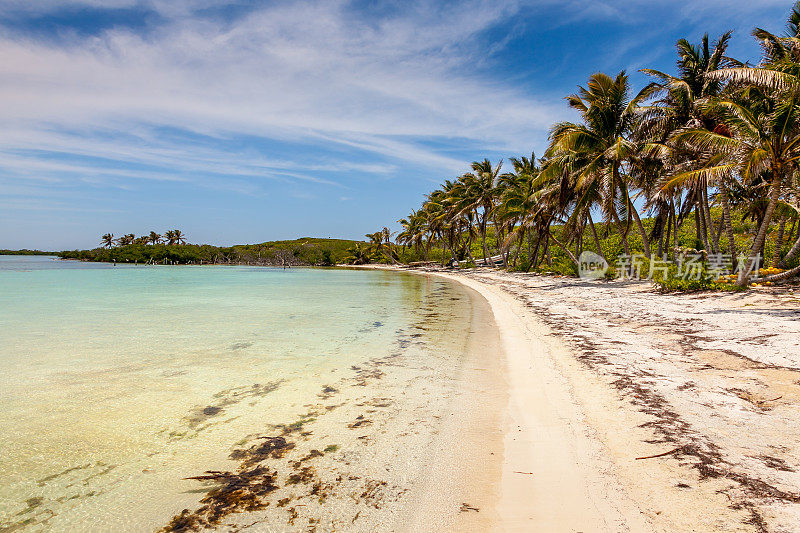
<point x="679" y="448"/>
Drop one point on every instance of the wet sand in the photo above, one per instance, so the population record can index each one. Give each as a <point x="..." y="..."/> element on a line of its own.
<point x="636" y="411"/>
<point x="396" y="443"/>
<point x="575" y="406"/>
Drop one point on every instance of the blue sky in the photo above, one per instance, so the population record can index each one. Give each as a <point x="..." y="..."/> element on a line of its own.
<point x="245" y="121"/>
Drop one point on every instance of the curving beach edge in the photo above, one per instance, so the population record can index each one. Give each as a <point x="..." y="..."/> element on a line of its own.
<point x="613" y="428"/>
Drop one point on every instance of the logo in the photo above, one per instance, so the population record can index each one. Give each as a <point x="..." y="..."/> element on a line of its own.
<point x="591" y="265"/>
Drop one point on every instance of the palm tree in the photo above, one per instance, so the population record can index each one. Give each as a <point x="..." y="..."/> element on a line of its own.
<point x="480" y="196"/>
<point x="680" y="107"/>
<point x="594" y="153"/>
<point x="380" y="244"/>
<point x="154" y="238"/>
<point x="126" y="239"/>
<point x="519" y="202"/>
<point x="763" y="150"/>
<point x="764" y="122"/>
<point x="107" y="240"/>
<point x="358" y="255"/>
<point x="174" y="237"/>
<point x="415" y="227"/>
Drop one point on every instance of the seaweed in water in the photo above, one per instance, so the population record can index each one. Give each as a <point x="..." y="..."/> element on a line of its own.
<point x="242" y="491"/>
<point x="199" y="416"/>
<point x="272" y="447"/>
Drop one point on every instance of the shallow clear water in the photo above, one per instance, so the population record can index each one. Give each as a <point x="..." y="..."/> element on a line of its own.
<point x="118" y="382"/>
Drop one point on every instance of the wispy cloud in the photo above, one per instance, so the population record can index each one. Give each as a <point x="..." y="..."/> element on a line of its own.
<point x="238" y="96"/>
<point x="297" y="73"/>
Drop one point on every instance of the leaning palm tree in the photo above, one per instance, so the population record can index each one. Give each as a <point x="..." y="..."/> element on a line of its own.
<point x="519" y="201"/>
<point x="154" y="238"/>
<point x="414" y="230"/>
<point x="595" y="152"/>
<point x="480" y="195"/>
<point x="107" y="240"/>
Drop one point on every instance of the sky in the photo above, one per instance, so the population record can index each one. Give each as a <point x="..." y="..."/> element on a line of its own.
<point x="247" y="121"/>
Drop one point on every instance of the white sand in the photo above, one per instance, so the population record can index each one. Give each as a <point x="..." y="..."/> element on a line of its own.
<point x="578" y="406"/>
<point x="600" y="374"/>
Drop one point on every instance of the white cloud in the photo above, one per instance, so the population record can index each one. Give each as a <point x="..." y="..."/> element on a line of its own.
<point x="315" y="75"/>
<point x="296" y="72"/>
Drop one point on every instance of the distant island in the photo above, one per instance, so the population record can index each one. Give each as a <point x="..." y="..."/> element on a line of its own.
<point x="26" y="252"/>
<point x="172" y="248"/>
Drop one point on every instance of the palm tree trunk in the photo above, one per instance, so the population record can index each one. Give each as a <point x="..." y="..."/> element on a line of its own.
<point x="520" y="240"/>
<point x="596" y="238"/>
<point x="709" y="221"/>
<point x="547" y="251"/>
<point x="530" y="249"/>
<point x="778" y="242"/>
<point x="483" y="240"/>
<point x="469" y="252"/>
<point x="783" y="275"/>
<point x="565" y="248"/>
<point x="726" y="221"/>
<point x="623" y="231"/>
<point x="700" y="219"/>
<point x="532" y="252"/>
<point x="516" y="252"/>
<point x="774" y="194"/>
<point x="642" y="232"/>
<point x="675" y="232"/>
<point x="792" y="253"/>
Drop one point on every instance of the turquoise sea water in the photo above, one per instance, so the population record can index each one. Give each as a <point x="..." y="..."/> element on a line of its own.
<point x="119" y="381"/>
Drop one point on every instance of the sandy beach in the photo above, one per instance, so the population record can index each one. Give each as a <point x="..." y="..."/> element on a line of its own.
<point x="471" y="400"/>
<point x="636" y="411"/>
<point x="408" y="441"/>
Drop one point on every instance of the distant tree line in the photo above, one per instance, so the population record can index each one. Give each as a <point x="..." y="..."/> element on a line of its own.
<point x="26" y="252"/>
<point x="172" y="249"/>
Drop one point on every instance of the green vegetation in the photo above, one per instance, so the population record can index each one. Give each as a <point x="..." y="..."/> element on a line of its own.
<point x="300" y="423"/>
<point x="26" y="252"/>
<point x="703" y="162"/>
<point x="130" y="249"/>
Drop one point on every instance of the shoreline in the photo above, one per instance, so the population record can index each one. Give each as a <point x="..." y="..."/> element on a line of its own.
<point x="419" y="441"/>
<point x="507" y="401"/>
<point x="368" y="412"/>
<point x="603" y="416"/>
<point x="554" y="475"/>
<point x="550" y="467"/>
